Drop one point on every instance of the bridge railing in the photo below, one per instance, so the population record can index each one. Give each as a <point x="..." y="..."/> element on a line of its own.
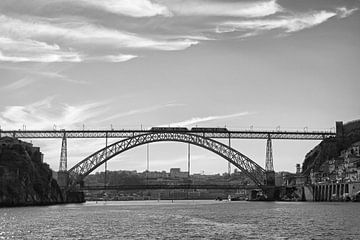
<point x="169" y="186"/>
<point x="248" y="134"/>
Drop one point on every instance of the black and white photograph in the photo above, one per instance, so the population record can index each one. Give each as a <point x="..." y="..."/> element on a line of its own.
<point x="180" y="119"/>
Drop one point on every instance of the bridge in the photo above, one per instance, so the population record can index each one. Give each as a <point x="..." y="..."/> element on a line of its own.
<point x="169" y="186"/>
<point x="245" y="134"/>
<point x="202" y="137"/>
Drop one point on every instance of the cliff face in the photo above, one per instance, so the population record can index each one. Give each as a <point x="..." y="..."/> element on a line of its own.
<point x="24" y="178"/>
<point x="332" y="147"/>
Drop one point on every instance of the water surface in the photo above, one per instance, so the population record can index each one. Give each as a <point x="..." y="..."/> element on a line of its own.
<point x="183" y="220"/>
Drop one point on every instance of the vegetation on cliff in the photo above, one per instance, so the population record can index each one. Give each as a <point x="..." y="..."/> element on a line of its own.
<point x="24" y="178"/>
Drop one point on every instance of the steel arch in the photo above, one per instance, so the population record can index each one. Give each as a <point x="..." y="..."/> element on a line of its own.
<point x="245" y="164"/>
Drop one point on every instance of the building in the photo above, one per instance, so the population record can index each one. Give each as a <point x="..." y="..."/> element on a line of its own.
<point x="345" y="168"/>
<point x="177" y="173"/>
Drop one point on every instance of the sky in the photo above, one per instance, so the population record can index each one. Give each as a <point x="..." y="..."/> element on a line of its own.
<point x="121" y="64"/>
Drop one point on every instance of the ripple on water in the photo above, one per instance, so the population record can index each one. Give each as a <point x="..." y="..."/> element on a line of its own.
<point x="183" y="220"/>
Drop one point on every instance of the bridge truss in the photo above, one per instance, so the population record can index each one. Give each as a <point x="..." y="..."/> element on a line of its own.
<point x="86" y="166"/>
<point x="168" y="186"/>
<point x="295" y="135"/>
<point x="133" y="138"/>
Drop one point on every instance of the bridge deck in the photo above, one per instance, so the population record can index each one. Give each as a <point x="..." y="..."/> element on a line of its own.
<point x="295" y="135"/>
<point x="165" y="186"/>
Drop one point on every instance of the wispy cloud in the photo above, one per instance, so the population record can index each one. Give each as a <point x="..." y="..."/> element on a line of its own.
<point x="26" y="81"/>
<point x="196" y="120"/>
<point x="73" y="38"/>
<point x="44" y="114"/>
<point x="288" y="23"/>
<point x="19" y="84"/>
<point x="32" y="74"/>
<point x="46" y="58"/>
<point x="85" y="33"/>
<point x="114" y="58"/>
<point x="27" y="50"/>
<point x="248" y="9"/>
<point x="133" y="8"/>
<point x="343" y="12"/>
<point x="142" y="110"/>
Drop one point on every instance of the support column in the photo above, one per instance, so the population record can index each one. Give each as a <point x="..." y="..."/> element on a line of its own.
<point x="330" y="192"/>
<point x="106" y="154"/>
<point x="229" y="164"/>
<point x="147" y="158"/>
<point x="327" y="193"/>
<point x="317" y="193"/>
<point x="63" y="154"/>
<point x="147" y="163"/>
<point x="269" y="167"/>
<point x="321" y="192"/>
<point x="63" y="175"/>
<point x="188" y="160"/>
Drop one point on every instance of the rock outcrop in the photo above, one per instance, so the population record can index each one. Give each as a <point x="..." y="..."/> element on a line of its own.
<point x="24" y="178"/>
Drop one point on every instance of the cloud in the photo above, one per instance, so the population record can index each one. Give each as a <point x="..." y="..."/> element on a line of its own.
<point x="45" y="58"/>
<point x="57" y="76"/>
<point x="79" y="36"/>
<point x="44" y="114"/>
<point x="196" y="120"/>
<point x="26" y="81"/>
<point x="133" y="8"/>
<point x="289" y="23"/>
<point x="27" y="50"/>
<point x="141" y="110"/>
<point x="27" y="39"/>
<point x="35" y="73"/>
<point x="86" y="33"/>
<point x="114" y="58"/>
<point x="343" y="12"/>
<point x="19" y="84"/>
<point x="248" y="9"/>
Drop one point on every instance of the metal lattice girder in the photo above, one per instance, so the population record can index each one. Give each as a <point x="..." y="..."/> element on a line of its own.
<point x="317" y="135"/>
<point x="245" y="164"/>
<point x="63" y="155"/>
<point x="269" y="165"/>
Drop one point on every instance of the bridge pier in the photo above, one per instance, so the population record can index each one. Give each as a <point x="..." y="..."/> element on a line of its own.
<point x="63" y="179"/>
<point x="63" y="154"/>
<point x="270" y="178"/>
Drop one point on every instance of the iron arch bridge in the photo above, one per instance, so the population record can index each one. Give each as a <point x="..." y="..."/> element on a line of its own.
<point x="245" y="164"/>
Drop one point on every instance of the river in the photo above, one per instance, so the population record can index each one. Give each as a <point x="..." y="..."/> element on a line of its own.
<point x="183" y="220"/>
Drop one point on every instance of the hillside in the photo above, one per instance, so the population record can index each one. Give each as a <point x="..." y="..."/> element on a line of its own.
<point x="24" y="178"/>
<point x="347" y="134"/>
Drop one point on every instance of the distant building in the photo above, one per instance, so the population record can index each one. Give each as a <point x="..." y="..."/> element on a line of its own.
<point x="176" y="173"/>
<point x="345" y="168"/>
<point x="157" y="175"/>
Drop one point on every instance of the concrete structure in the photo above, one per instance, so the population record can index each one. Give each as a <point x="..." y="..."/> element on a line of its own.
<point x="336" y="191"/>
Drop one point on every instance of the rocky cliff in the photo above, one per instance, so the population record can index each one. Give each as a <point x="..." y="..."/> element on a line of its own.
<point x="24" y="178"/>
<point x="347" y="134"/>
